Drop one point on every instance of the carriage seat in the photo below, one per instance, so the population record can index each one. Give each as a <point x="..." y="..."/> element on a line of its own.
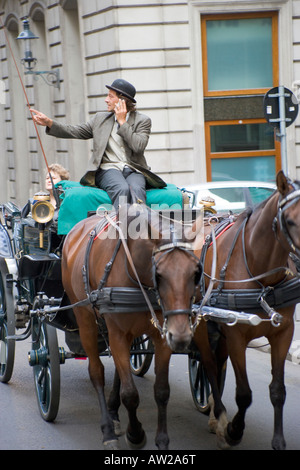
<point x="78" y="200"/>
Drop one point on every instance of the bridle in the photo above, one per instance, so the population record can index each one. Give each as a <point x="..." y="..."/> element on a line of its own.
<point x="284" y="204"/>
<point x="163" y="251"/>
<point x="279" y="222"/>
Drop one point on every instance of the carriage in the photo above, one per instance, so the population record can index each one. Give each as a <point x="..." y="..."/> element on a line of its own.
<point x="33" y="304"/>
<point x="32" y="299"/>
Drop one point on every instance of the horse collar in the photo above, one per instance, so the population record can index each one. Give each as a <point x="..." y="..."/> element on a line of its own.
<point x="165" y="249"/>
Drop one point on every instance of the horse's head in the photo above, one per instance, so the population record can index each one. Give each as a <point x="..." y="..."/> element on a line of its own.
<point x="176" y="273"/>
<point x="287" y="221"/>
<point x="168" y="247"/>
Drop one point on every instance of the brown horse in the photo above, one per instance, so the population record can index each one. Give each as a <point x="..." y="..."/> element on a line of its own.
<point x="155" y="256"/>
<point x="254" y="253"/>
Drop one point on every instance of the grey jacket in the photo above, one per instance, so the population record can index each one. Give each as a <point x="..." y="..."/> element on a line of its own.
<point x="135" y="133"/>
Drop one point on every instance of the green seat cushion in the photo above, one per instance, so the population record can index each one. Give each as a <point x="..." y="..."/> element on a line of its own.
<point x="77" y="200"/>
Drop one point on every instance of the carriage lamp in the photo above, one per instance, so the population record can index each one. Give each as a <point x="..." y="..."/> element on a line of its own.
<point x="207" y="203"/>
<point x="51" y="77"/>
<point x="42" y="212"/>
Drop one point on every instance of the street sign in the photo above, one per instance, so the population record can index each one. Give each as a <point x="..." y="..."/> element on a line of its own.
<point x="272" y="106"/>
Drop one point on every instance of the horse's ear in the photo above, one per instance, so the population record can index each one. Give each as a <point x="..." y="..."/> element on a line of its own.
<point x="282" y="183"/>
<point x="195" y="234"/>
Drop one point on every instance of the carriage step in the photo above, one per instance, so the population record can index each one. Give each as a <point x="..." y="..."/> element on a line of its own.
<point x="230" y="317"/>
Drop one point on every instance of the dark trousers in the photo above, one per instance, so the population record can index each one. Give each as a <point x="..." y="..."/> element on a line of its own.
<point x="117" y="184"/>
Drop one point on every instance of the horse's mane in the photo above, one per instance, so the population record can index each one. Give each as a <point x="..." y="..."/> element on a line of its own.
<point x="252" y="209"/>
<point x="263" y="203"/>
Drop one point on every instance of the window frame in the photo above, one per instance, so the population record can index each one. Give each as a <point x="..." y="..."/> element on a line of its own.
<point x="275" y="51"/>
<point x="238" y="154"/>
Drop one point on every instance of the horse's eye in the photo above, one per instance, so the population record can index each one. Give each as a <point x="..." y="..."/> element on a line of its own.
<point x="290" y="223"/>
<point x="157" y="278"/>
<point x="198" y="275"/>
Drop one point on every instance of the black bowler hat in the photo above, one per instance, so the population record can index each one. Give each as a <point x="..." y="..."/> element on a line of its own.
<point x="124" y="88"/>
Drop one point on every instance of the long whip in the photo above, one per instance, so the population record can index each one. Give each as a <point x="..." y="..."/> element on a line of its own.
<point x="29" y="107"/>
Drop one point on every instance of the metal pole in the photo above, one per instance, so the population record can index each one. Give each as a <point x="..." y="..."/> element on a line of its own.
<point x="282" y="134"/>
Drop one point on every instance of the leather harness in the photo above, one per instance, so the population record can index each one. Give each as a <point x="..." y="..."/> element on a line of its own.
<point x="263" y="299"/>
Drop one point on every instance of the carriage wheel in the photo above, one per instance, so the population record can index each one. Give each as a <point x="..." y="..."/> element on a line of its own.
<point x="199" y="384"/>
<point x="45" y="360"/>
<point x="141" y="355"/>
<point x="7" y="328"/>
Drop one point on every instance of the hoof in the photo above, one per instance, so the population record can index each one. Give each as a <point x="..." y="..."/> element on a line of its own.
<point x="162" y="445"/>
<point x="117" y="428"/>
<point x="111" y="445"/>
<point x="222" y="443"/>
<point x="212" y="425"/>
<point x="221" y="431"/>
<point x="212" y="421"/>
<point x="278" y="443"/>
<point x="229" y="439"/>
<point x="132" y="444"/>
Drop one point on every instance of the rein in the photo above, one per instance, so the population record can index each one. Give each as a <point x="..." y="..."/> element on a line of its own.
<point x="163" y="251"/>
<point x="96" y="297"/>
<point x="283" y="204"/>
<point x="221" y="280"/>
<point x="154" y="319"/>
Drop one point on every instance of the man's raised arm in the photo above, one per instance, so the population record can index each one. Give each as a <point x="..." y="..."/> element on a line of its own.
<point x="40" y="118"/>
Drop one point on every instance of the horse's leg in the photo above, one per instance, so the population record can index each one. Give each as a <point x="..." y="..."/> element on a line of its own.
<point x="237" y="353"/>
<point x="120" y="347"/>
<point x="114" y="402"/>
<point x="279" y="348"/>
<point x="89" y="338"/>
<point x="162" y="392"/>
<point x="212" y="364"/>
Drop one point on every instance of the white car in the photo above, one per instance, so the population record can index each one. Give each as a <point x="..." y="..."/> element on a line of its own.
<point x="225" y="196"/>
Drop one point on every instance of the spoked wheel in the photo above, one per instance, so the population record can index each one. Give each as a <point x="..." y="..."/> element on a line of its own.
<point x="45" y="360"/>
<point x="7" y="328"/>
<point x="141" y="355"/>
<point x="199" y="384"/>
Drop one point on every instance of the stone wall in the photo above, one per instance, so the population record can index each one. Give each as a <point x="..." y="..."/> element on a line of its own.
<point x="155" y="45"/>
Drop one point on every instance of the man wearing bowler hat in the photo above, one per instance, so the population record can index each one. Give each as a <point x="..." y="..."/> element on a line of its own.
<point x="120" y="136"/>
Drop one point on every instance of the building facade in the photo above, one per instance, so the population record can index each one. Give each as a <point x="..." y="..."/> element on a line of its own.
<point x="201" y="70"/>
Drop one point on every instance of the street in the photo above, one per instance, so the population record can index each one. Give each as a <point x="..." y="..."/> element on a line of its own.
<point x="77" y="424"/>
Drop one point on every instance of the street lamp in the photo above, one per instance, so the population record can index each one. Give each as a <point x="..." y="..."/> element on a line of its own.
<point x="52" y="77"/>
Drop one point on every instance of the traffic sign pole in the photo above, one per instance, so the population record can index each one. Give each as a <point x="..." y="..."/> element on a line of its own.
<point x="282" y="134"/>
<point x="281" y="109"/>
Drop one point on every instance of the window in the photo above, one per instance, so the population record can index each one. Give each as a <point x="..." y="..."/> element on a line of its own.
<point x="240" y="64"/>
<point x="242" y="150"/>
<point x="241" y="137"/>
<point x="240" y="53"/>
